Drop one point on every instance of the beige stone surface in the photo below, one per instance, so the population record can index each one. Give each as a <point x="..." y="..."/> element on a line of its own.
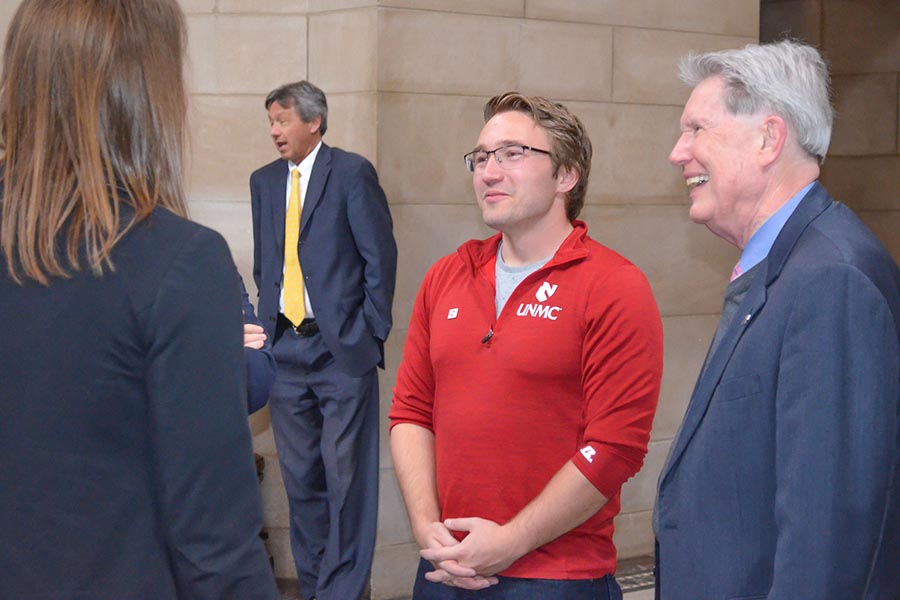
<point x="200" y="61"/>
<point x="261" y="428"/>
<point x="229" y="139"/>
<point x="442" y="53"/>
<point x="7" y="10"/>
<point x="394" y="571"/>
<point x="501" y="8"/>
<point x="190" y="6"/>
<point x="387" y="379"/>
<point x="797" y="19"/>
<point x="639" y="492"/>
<point x="425" y="234"/>
<point x="687" y="266"/>
<point x="233" y="221"/>
<point x="279" y="547"/>
<point x="866" y="120"/>
<point x="393" y="523"/>
<point x="631" y="148"/>
<point x="274" y="498"/>
<point x="330" y="5"/>
<point x="406" y="82"/>
<point x="566" y="61"/>
<point x="686" y="341"/>
<point x="730" y="17"/>
<point x="421" y="143"/>
<point x="634" y="534"/>
<point x="343" y="50"/>
<point x="646" y="63"/>
<point x="863" y="182"/>
<point x="245" y="54"/>
<point x="353" y="123"/>
<point x="862" y="36"/>
<point x="276" y="7"/>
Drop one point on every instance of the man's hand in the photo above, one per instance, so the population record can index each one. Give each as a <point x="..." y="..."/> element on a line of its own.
<point x="254" y="336"/>
<point x="488" y="549"/>
<point x="436" y="536"/>
<point x="412" y="447"/>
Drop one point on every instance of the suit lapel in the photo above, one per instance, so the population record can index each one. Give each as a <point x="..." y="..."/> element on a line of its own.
<point x="320" y="172"/>
<point x="709" y="379"/>
<point x="277" y="191"/>
<point x="816" y="201"/>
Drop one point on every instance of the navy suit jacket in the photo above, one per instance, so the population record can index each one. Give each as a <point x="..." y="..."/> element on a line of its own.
<point x="347" y="253"/>
<point x="261" y="365"/>
<point x="783" y="482"/>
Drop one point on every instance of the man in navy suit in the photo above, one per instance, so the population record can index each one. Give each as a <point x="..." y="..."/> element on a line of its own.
<point x="783" y="481"/>
<point x="325" y="302"/>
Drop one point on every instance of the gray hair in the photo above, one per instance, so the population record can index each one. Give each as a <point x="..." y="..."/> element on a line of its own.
<point x="787" y="77"/>
<point x="307" y="99"/>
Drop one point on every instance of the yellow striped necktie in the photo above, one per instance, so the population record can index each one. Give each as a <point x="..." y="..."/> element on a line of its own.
<point x="294" y="305"/>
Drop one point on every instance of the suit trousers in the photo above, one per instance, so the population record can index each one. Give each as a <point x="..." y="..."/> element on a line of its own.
<point x="326" y="431"/>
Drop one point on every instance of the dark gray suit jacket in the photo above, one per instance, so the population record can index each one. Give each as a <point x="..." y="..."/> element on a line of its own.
<point x="125" y="456"/>
<point x="783" y="482"/>
<point x="347" y="253"/>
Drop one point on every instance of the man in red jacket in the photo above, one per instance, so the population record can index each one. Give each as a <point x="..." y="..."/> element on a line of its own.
<point x="529" y="379"/>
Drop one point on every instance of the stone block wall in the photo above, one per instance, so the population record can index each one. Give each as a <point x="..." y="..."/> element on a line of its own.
<point x="406" y="81"/>
<point x="861" y="41"/>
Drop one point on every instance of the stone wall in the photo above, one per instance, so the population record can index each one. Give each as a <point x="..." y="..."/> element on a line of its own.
<point x="406" y="81"/>
<point x="861" y="40"/>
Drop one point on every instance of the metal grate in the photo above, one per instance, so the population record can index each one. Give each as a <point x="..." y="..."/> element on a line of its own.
<point x="634" y="574"/>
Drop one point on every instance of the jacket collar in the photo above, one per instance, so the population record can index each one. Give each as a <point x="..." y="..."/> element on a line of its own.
<point x="813" y="204"/>
<point x="317" y="179"/>
<point x="477" y="253"/>
<point x="277" y="186"/>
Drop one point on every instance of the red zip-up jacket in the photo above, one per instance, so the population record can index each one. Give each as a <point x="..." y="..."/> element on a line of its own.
<point x="569" y="371"/>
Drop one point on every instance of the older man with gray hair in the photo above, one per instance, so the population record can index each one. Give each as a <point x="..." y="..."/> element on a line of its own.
<point x="783" y="480"/>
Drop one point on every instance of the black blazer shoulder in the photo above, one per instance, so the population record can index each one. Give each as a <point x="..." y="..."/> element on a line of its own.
<point x="141" y="388"/>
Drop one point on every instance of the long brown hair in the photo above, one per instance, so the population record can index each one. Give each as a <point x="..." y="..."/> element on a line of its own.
<point x="92" y="113"/>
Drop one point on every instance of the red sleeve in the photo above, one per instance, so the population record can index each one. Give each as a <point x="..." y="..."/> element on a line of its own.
<point x="622" y="368"/>
<point x="414" y="391"/>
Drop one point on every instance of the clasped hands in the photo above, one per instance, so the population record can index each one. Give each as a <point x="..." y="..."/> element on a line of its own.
<point x="471" y="564"/>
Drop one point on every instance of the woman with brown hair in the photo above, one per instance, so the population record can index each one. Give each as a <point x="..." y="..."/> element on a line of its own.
<point x="125" y="456"/>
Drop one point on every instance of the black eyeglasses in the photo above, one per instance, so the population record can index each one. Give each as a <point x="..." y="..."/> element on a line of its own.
<point x="506" y="156"/>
